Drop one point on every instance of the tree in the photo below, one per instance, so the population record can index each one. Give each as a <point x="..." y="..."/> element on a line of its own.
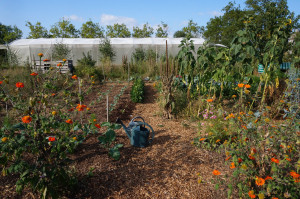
<point x="223" y="29"/>
<point x="37" y="30"/>
<point x="106" y="50"/>
<point x="117" y="30"/>
<point x="162" y="30"/>
<point x="64" y="29"/>
<point x="91" y="30"/>
<point x="193" y="30"/>
<point x="267" y="15"/>
<point x="179" y="33"/>
<point x="9" y="33"/>
<point x="147" y="31"/>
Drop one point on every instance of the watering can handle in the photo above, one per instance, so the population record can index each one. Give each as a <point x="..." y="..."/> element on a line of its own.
<point x="152" y="132"/>
<point x="140" y="118"/>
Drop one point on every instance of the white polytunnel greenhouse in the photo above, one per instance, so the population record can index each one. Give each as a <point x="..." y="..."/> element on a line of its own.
<point x="28" y="49"/>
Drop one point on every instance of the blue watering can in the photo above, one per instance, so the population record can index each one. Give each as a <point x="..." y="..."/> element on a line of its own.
<point x="137" y="132"/>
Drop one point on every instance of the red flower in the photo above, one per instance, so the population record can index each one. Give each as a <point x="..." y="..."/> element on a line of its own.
<point x="72" y="109"/>
<point x="1" y="82"/>
<point x="19" y="85"/>
<point x="59" y="64"/>
<point x="275" y="160"/>
<point x="251" y="194"/>
<point x="74" y="77"/>
<point x="98" y="126"/>
<point x="69" y="121"/>
<point x="51" y="139"/>
<point x="251" y="157"/>
<point x="46" y="60"/>
<point x="240" y="160"/>
<point x="33" y="74"/>
<point x="26" y="119"/>
<point x="268" y="178"/>
<point x="53" y="94"/>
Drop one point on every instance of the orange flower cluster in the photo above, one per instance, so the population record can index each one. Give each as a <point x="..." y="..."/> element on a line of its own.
<point x="251" y="194"/>
<point x="251" y="157"/>
<point x="259" y="181"/>
<point x="69" y="121"/>
<point x="209" y="100"/>
<point x="74" y="77"/>
<point x="26" y="119"/>
<point x="247" y="86"/>
<point x="231" y="115"/>
<point x="295" y="176"/>
<point x="240" y="85"/>
<point x="216" y="172"/>
<point x="275" y="160"/>
<point x="33" y="74"/>
<point x="19" y="85"/>
<point x="232" y="166"/>
<point x="80" y="107"/>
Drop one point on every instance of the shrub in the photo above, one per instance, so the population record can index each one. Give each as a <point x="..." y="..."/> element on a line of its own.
<point x="60" y="51"/>
<point x="106" y="50"/>
<point x="137" y="91"/>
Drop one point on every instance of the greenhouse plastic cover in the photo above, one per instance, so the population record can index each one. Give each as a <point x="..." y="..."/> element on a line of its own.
<point x="27" y="49"/>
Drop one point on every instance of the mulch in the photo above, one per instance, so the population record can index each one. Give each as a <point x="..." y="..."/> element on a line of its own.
<point x="169" y="168"/>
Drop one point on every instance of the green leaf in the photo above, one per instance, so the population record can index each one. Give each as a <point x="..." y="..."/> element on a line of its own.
<point x="76" y="128"/>
<point x="217" y="186"/>
<point x="19" y="126"/>
<point x="114" y="153"/>
<point x="105" y="124"/>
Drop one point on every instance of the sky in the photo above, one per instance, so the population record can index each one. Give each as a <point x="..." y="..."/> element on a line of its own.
<point x="175" y="13"/>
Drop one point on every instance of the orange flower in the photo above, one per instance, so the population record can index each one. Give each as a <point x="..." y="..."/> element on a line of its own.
<point x="26" y="119"/>
<point x="259" y="181"/>
<point x="251" y="194"/>
<point x="59" y="64"/>
<point x="88" y="109"/>
<point x="40" y="54"/>
<point x="94" y="120"/>
<point x="232" y="166"/>
<point x="53" y="94"/>
<point x="69" y="121"/>
<point x="51" y="139"/>
<point x="233" y="96"/>
<point x="282" y="101"/>
<point x="74" y="138"/>
<point x="275" y="160"/>
<point x="46" y="60"/>
<point x="33" y="74"/>
<point x="274" y="198"/>
<point x="251" y="157"/>
<point x="201" y="139"/>
<point x="209" y="100"/>
<point x="294" y="174"/>
<point x="227" y="158"/>
<point x="216" y="172"/>
<point x="241" y="85"/>
<point x="288" y="159"/>
<point x="240" y="160"/>
<point x="19" y="85"/>
<point x="98" y="126"/>
<point x="268" y="178"/>
<point x="244" y="127"/>
<point x="64" y="60"/>
<point x="247" y="86"/>
<point x="281" y="146"/>
<point x="74" y="77"/>
<point x="253" y="150"/>
<point x="80" y="107"/>
<point x="218" y="140"/>
<point x="4" y="139"/>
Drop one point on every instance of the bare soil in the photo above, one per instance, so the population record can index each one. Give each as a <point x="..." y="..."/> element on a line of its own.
<point x="169" y="168"/>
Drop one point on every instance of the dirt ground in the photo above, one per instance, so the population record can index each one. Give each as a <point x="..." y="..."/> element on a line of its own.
<point x="168" y="168"/>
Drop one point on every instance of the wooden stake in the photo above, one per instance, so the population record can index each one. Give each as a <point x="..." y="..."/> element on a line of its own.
<point x="167" y="69"/>
<point x="107" y="107"/>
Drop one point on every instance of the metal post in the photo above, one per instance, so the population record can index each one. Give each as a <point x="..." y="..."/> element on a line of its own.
<point x="107" y="107"/>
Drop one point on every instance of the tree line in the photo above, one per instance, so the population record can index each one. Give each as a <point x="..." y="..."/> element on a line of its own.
<point x="220" y="29"/>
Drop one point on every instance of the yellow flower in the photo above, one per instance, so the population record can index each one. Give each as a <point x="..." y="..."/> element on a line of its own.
<point x="267" y="120"/>
<point x="93" y="82"/>
<point x="247" y="92"/>
<point x="64" y="60"/>
<point x="244" y="167"/>
<point x="74" y="138"/>
<point x="154" y="85"/>
<point x="4" y="139"/>
<point x="261" y="196"/>
<point x="53" y="112"/>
